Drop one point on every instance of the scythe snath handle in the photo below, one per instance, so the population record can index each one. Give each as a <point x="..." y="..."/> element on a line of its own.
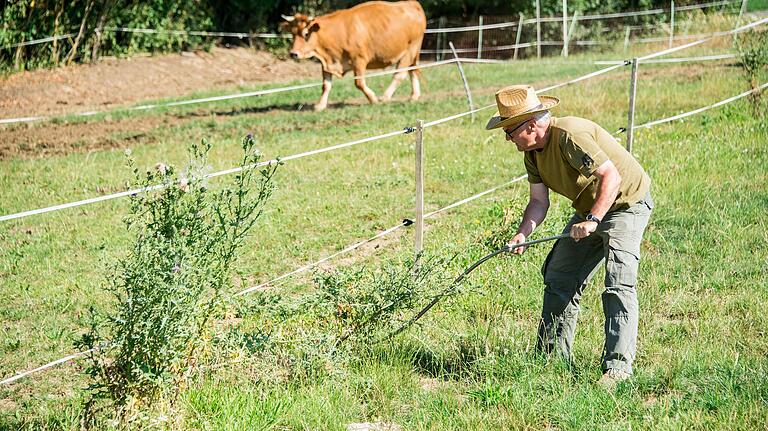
<point x="461" y="277"/>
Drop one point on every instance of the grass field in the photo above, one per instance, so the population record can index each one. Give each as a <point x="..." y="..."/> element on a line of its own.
<point x="470" y="365"/>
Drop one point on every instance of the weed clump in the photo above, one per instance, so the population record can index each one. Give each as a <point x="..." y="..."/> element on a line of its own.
<point x="753" y="52"/>
<point x="170" y="284"/>
<point x="340" y="315"/>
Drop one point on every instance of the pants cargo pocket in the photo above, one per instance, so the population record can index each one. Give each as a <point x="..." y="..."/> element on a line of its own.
<point x="621" y="268"/>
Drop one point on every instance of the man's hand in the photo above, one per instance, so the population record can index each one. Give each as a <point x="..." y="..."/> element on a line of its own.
<point x="582" y="230"/>
<point x="517" y="240"/>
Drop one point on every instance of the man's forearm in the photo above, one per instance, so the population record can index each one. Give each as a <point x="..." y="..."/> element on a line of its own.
<point x="607" y="189"/>
<point x="534" y="214"/>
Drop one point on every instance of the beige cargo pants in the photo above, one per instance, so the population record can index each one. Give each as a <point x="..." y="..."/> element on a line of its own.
<point x="570" y="266"/>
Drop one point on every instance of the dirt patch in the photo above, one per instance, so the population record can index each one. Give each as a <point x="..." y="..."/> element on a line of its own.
<point x="61" y="138"/>
<point x="118" y="82"/>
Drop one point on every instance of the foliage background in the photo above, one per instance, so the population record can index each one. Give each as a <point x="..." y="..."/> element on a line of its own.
<point x="24" y="20"/>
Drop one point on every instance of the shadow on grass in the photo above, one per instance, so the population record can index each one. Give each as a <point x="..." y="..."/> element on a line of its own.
<point x="285" y="107"/>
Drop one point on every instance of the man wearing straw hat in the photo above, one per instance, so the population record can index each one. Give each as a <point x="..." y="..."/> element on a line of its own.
<point x="610" y="192"/>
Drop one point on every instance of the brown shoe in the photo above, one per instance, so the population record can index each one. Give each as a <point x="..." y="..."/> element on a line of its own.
<point x="611" y="377"/>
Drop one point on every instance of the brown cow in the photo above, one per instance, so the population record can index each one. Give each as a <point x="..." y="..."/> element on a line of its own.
<point x="371" y="35"/>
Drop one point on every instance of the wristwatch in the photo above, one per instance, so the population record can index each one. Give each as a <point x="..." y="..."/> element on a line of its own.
<point x="591" y="217"/>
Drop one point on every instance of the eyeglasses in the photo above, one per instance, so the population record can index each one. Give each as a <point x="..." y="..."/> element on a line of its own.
<point x="510" y="132"/>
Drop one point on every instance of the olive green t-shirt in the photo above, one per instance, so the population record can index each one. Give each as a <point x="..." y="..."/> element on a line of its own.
<point x="576" y="148"/>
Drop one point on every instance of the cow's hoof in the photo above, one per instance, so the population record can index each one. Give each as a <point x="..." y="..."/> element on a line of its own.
<point x="319" y="108"/>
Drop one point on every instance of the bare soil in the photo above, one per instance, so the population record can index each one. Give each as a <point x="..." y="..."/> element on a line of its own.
<point x="115" y="83"/>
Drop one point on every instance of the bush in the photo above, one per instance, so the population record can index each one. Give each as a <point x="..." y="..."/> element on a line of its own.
<point x="753" y="53"/>
<point x="170" y="285"/>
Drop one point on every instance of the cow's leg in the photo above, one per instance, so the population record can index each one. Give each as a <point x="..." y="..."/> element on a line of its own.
<point x="399" y="76"/>
<point x="415" y="85"/>
<point x="360" y="84"/>
<point x="327" y="84"/>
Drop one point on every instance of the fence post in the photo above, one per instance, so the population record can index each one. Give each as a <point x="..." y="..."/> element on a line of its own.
<point x="463" y="78"/>
<point x="480" y="38"/>
<point x="570" y="32"/>
<point x="632" y="93"/>
<point x="519" y="32"/>
<point x="419" y="222"/>
<point x="626" y="39"/>
<point x="538" y="29"/>
<point x="565" y="28"/>
<point x="741" y="12"/>
<point x="672" y="22"/>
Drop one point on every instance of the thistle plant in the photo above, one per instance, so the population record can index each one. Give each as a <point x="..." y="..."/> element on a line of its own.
<point x="171" y="283"/>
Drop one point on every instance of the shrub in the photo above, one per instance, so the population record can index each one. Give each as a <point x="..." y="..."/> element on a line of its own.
<point x="753" y="52"/>
<point x="171" y="283"/>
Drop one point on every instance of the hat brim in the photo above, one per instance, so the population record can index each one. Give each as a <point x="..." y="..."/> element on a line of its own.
<point x="547" y="103"/>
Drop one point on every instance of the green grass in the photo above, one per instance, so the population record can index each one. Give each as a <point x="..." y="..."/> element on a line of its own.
<point x="470" y="365"/>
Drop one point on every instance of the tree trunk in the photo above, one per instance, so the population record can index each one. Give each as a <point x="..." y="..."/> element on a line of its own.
<point x="106" y="5"/>
<point x="19" y="54"/>
<point x="73" y="51"/>
<point x="55" y="48"/>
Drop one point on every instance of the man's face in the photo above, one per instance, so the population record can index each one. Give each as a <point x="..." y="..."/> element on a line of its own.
<point x="523" y="135"/>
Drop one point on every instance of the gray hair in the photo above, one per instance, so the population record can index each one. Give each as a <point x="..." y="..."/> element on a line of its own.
<point x="541" y="116"/>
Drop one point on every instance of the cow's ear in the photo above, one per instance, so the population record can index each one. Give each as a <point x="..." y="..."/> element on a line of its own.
<point x="313" y="26"/>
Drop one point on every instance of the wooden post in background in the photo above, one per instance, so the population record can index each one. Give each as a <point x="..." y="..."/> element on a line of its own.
<point x="480" y="38"/>
<point x="626" y="39"/>
<point x="538" y="29"/>
<point x="419" y="222"/>
<point x="519" y="31"/>
<point x="631" y="117"/>
<point x="671" y="22"/>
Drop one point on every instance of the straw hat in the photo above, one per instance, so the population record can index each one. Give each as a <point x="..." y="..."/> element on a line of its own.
<point x="518" y="103"/>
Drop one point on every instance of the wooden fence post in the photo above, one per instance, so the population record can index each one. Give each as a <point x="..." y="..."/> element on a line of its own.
<point x="565" y="28"/>
<point x="626" y="39"/>
<point x="538" y="29"/>
<point x="631" y="117"/>
<point x="419" y="222"/>
<point x="671" y="22"/>
<point x="480" y="38"/>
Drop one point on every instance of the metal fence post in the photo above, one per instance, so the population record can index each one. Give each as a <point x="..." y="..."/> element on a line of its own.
<point x="631" y="117"/>
<point x="565" y="28"/>
<point x="480" y="38"/>
<point x="671" y="22"/>
<point x="519" y="31"/>
<point x="538" y="29"/>
<point x="419" y="222"/>
<point x="464" y="79"/>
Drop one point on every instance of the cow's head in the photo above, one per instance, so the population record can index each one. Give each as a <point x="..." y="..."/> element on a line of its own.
<point x="304" y="30"/>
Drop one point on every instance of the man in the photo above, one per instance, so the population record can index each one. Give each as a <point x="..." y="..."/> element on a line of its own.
<point x="610" y="192"/>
